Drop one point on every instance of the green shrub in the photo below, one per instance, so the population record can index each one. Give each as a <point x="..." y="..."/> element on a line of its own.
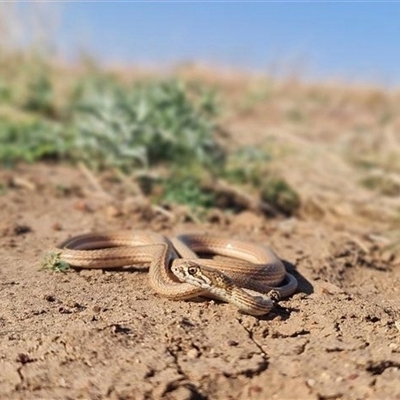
<point x="247" y="166"/>
<point x="30" y="142"/>
<point x="141" y="126"/>
<point x="108" y="124"/>
<point x="5" y="92"/>
<point x="40" y="95"/>
<point x="280" y="194"/>
<point x="186" y="189"/>
<point x="383" y="184"/>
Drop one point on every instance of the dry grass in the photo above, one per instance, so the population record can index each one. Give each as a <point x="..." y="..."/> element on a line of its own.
<point x="29" y="27"/>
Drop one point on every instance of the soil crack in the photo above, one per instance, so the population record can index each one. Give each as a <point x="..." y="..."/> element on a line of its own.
<point x="185" y="381"/>
<point x="378" y="368"/>
<point x="23" y="359"/>
<point x="263" y="365"/>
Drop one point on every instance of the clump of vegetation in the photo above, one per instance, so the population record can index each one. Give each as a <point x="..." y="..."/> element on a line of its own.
<point x="383" y="184"/>
<point x="278" y="193"/>
<point x="107" y="124"/>
<point x="40" y="96"/>
<point x="164" y="125"/>
<point x="250" y="166"/>
<point x="53" y="262"/>
<point x="5" y="92"/>
<point x="247" y="165"/>
<point x="30" y="141"/>
<point x="187" y="189"/>
<point x="142" y="126"/>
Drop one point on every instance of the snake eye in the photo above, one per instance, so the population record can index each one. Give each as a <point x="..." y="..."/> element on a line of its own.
<point x="192" y="270"/>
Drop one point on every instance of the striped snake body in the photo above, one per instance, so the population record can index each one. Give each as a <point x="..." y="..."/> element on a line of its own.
<point x="241" y="273"/>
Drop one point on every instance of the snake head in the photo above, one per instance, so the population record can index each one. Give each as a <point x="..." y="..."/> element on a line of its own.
<point x="186" y="270"/>
<point x="198" y="275"/>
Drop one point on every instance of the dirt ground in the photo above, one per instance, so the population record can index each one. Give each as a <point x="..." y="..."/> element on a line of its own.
<point x="95" y="334"/>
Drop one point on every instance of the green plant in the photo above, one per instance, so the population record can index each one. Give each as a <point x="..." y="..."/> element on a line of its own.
<point x="31" y="142"/>
<point x="277" y="192"/>
<point x="250" y="166"/>
<point x="107" y="124"/>
<point x="247" y="165"/>
<point x="142" y="126"/>
<point x="383" y="184"/>
<point x="3" y="189"/>
<point x="40" y="95"/>
<point x="5" y="92"/>
<point x="186" y="189"/>
<point x="53" y="262"/>
<point x="148" y="126"/>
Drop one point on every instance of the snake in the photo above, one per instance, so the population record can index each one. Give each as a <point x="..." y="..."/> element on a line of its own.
<point x="250" y="276"/>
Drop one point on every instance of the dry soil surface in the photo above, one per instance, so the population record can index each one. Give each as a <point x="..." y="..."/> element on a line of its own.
<point x="96" y="334"/>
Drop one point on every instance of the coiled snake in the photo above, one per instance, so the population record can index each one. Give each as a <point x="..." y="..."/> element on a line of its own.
<point x="242" y="273"/>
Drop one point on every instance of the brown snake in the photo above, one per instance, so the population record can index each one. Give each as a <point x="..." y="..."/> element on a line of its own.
<point x="176" y="271"/>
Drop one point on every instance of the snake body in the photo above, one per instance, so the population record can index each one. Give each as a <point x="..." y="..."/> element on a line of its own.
<point x="239" y="266"/>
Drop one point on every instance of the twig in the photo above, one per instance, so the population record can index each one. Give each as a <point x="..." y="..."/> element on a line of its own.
<point x="133" y="187"/>
<point x="92" y="179"/>
<point x="22" y="183"/>
<point x="163" y="211"/>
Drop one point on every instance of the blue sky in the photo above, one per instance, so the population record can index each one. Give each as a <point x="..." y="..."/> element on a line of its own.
<point x="355" y="41"/>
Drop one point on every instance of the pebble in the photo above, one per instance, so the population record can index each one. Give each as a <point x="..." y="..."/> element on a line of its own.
<point x="310" y="383"/>
<point x="193" y="353"/>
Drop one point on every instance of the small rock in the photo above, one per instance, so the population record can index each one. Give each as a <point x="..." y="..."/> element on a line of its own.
<point x="193" y="353"/>
<point x="181" y="393"/>
<point x="96" y="309"/>
<point x="310" y="383"/>
<point x="56" y="226"/>
<point x="21" y="229"/>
